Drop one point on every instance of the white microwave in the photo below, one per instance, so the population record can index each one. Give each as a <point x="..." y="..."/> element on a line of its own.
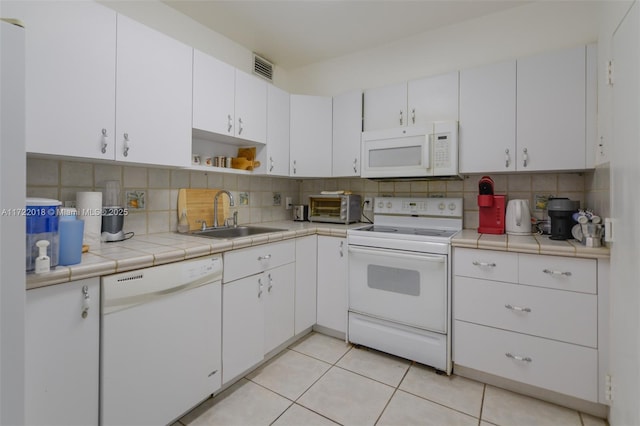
<point x="414" y="151"/>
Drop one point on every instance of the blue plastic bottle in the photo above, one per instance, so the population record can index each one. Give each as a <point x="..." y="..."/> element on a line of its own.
<point x="71" y="230"/>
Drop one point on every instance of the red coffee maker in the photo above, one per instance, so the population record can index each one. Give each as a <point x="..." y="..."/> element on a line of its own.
<point x="491" y="208"/>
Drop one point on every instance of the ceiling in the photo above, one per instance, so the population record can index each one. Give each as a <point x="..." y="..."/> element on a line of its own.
<point x="296" y="33"/>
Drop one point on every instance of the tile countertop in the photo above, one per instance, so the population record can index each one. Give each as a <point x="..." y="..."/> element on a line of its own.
<point x="536" y="244"/>
<point x="156" y="249"/>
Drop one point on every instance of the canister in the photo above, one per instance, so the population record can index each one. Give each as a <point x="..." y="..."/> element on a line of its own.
<point x="42" y="224"/>
<point x="70" y="230"/>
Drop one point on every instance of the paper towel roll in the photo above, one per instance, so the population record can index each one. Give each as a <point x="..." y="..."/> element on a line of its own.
<point x="89" y="205"/>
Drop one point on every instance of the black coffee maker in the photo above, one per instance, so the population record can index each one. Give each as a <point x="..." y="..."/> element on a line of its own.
<point x="561" y="212"/>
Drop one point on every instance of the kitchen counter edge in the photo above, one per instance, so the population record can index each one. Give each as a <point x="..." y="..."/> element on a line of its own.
<point x="157" y="249"/>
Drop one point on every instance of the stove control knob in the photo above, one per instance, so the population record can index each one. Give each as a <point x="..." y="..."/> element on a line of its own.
<point x="442" y="206"/>
<point x="380" y="204"/>
<point x="452" y="206"/>
<point x="389" y="205"/>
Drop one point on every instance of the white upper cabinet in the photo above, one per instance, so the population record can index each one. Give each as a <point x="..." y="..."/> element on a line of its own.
<point x="487" y="132"/>
<point x="551" y="111"/>
<point x="416" y="102"/>
<point x="433" y="99"/>
<point x="153" y="96"/>
<point x="213" y="94"/>
<point x="277" y="153"/>
<point x="70" y="77"/>
<point x="347" y="129"/>
<point x="311" y="133"/>
<point x="251" y="107"/>
<point x="227" y="101"/>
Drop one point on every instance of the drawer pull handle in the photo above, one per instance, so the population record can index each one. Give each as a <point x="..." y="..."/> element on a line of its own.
<point x="518" y="358"/>
<point x="559" y="273"/>
<point x="265" y="257"/>
<point x="492" y="264"/>
<point x="517" y="308"/>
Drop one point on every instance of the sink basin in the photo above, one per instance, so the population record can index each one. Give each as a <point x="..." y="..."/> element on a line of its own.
<point x="240" y="231"/>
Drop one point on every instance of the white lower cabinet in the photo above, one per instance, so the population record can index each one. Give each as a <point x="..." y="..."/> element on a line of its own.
<point x="332" y="283"/>
<point x="62" y="333"/>
<point x="306" y="279"/>
<point x="257" y="310"/>
<point x="531" y="318"/>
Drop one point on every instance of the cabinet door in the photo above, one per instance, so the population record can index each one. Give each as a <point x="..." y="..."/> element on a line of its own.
<point x="278" y="306"/>
<point x="433" y="99"/>
<point x="70" y="77"/>
<point x="347" y="128"/>
<point x="62" y="354"/>
<point x="551" y="111"/>
<point x="332" y="283"/>
<point x="311" y="135"/>
<point x="153" y="96"/>
<point x="385" y="107"/>
<point x="242" y="325"/>
<point x="306" y="270"/>
<point x="213" y="94"/>
<point x="487" y="132"/>
<point x="250" y="108"/>
<point x="277" y="158"/>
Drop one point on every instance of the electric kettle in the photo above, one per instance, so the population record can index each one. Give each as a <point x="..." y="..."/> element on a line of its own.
<point x="518" y="220"/>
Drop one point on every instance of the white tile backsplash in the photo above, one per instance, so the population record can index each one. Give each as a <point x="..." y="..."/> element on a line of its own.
<point x="135" y="177"/>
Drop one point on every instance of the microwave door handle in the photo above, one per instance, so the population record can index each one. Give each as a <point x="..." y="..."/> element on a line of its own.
<point x="426" y="152"/>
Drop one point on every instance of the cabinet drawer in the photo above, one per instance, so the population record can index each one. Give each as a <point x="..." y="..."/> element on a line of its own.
<point x="560" y="315"/>
<point x="252" y="260"/>
<point x="558" y="272"/>
<point x="486" y="264"/>
<point x="560" y="367"/>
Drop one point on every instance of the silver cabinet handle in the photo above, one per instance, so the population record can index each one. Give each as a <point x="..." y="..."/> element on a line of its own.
<point x="85" y="302"/>
<point x="126" y="145"/>
<point x="517" y="308"/>
<point x="104" y="141"/>
<point x="518" y="358"/>
<point x="401" y="118"/>
<point x="270" y="286"/>
<point x="413" y="116"/>
<point x="239" y="125"/>
<point x="355" y="165"/>
<point x="260" y="287"/>
<point x="229" y="123"/>
<point x="506" y="158"/>
<point x="294" y="167"/>
<point x="265" y="257"/>
<point x="341" y="248"/>
<point x="525" y="157"/>
<point x="270" y="164"/>
<point x="556" y="273"/>
<point x="491" y="264"/>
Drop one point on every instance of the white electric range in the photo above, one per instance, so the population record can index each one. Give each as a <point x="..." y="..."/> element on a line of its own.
<point x="400" y="279"/>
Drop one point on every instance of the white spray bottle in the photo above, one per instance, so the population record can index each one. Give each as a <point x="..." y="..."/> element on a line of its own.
<point x="43" y="263"/>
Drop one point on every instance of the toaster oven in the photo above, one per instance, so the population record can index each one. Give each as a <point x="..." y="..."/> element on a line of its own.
<point x="335" y="208"/>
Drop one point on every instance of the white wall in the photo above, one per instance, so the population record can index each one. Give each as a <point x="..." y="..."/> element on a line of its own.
<point x="161" y="17"/>
<point x="516" y="32"/>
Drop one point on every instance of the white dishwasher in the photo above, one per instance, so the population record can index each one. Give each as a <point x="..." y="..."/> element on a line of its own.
<point x="160" y="341"/>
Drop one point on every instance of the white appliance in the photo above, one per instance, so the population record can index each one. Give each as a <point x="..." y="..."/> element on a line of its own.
<point x="160" y="341"/>
<point x="12" y="226"/>
<point x="518" y="218"/>
<point x="400" y="279"/>
<point x="415" y="151"/>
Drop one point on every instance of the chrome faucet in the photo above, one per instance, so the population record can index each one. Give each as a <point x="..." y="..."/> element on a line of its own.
<point x="215" y="205"/>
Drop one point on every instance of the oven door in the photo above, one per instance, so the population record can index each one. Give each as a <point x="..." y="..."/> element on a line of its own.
<point x="401" y="286"/>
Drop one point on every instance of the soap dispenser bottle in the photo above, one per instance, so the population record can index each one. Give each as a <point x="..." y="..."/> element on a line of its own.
<point x="183" y="223"/>
<point x="43" y="262"/>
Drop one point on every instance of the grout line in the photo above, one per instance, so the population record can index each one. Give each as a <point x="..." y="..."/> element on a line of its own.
<point x="484" y="389"/>
<point x="394" y="393"/>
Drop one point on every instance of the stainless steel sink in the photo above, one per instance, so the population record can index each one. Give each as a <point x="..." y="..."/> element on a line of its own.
<point x="231" y="232"/>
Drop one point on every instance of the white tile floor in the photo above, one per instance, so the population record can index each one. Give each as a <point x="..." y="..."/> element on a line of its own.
<point x="323" y="381"/>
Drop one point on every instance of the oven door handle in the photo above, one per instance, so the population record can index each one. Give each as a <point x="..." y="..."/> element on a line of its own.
<point x="397" y="254"/>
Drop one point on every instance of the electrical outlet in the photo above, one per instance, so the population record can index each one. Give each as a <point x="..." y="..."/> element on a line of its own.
<point x="288" y="203"/>
<point x="368" y="203"/>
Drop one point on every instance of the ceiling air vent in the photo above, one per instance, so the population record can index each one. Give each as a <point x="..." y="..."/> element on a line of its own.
<point x="262" y="67"/>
